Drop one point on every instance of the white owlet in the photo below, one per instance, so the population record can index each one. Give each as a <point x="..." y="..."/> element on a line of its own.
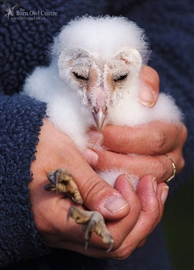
<point x="93" y="80"/>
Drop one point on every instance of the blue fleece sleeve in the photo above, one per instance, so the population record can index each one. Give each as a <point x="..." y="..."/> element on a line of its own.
<point x="20" y="121"/>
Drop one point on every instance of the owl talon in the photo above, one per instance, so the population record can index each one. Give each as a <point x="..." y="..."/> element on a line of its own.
<point x="62" y="181"/>
<point x="91" y="221"/>
<point x="86" y="245"/>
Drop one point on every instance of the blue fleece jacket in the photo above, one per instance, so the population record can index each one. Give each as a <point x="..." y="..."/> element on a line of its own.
<point x="24" y="44"/>
<point x="20" y="121"/>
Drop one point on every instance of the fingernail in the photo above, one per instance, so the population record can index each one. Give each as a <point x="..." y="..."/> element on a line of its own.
<point x="164" y="194"/>
<point x="154" y="185"/>
<point x="133" y="180"/>
<point x="129" y="179"/>
<point x="146" y="96"/>
<point x="95" y="137"/>
<point x="114" y="203"/>
<point x="91" y="157"/>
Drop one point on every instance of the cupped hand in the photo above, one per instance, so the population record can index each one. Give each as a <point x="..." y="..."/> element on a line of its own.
<point x="147" y="206"/>
<point x="55" y="150"/>
<point x="124" y="217"/>
<point x="148" y="145"/>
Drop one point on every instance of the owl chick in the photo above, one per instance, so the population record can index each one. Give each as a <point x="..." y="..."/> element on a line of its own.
<point x="93" y="80"/>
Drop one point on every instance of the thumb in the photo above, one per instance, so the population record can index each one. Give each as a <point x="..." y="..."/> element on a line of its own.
<point x="149" y="90"/>
<point x="98" y="195"/>
<point x="56" y="150"/>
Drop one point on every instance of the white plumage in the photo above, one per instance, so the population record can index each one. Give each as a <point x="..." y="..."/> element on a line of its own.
<point x="93" y="78"/>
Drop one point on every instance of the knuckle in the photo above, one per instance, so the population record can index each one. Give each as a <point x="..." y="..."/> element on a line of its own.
<point x="123" y="252"/>
<point x="161" y="171"/>
<point x="180" y="165"/>
<point x="185" y="133"/>
<point x="91" y="189"/>
<point x="142" y="243"/>
<point x="154" y="75"/>
<point x="158" y="141"/>
<point x="117" y="245"/>
<point x="150" y="74"/>
<point x="152" y="212"/>
<point x="160" y="214"/>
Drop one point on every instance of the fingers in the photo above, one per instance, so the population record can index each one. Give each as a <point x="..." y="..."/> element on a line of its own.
<point x="149" y="143"/>
<point x="100" y="196"/>
<point x="149" y="90"/>
<point x="121" y="228"/>
<point x="152" y="198"/>
<point x="119" y="205"/>
<point x="131" y="232"/>
<point x="140" y="165"/>
<point x="124" y="185"/>
<point x="152" y="139"/>
<point x="55" y="150"/>
<point x="96" y="193"/>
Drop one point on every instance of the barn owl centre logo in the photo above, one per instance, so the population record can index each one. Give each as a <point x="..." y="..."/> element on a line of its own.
<point x="14" y="10"/>
<point x="10" y="6"/>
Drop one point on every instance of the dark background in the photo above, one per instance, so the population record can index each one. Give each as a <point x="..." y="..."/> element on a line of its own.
<point x="169" y="26"/>
<point x="178" y="226"/>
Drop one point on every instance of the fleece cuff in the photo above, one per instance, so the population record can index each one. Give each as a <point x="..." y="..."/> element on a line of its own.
<point x="20" y="121"/>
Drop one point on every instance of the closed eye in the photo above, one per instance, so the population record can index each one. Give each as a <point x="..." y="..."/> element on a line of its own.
<point x="80" y="77"/>
<point x="121" y="78"/>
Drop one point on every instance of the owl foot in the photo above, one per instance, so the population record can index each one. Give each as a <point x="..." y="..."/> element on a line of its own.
<point x="92" y="221"/>
<point x="63" y="182"/>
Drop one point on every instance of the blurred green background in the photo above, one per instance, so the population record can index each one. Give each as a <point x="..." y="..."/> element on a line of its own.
<point x="178" y="226"/>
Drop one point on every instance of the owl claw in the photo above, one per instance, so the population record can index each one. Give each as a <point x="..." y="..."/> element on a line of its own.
<point x="91" y="221"/>
<point x="61" y="181"/>
<point x="86" y="245"/>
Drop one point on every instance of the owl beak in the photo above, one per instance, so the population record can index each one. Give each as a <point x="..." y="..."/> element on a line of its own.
<point x="99" y="118"/>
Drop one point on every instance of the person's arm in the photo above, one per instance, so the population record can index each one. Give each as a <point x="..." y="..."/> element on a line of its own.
<point x="20" y="121"/>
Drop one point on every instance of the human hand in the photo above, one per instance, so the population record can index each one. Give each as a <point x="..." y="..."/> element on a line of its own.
<point x="129" y="209"/>
<point x="149" y="91"/>
<point x="55" y="150"/>
<point x="148" y="142"/>
<point x="146" y="211"/>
